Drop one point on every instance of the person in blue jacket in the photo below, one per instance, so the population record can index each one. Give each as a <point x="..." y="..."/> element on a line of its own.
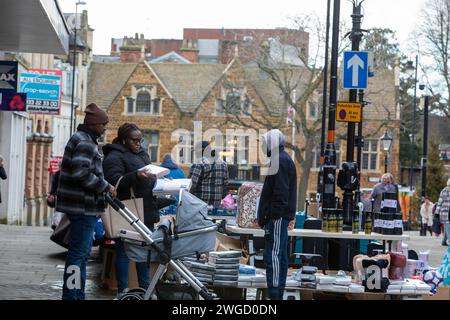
<point x="175" y="173"/>
<point x="277" y="207"/>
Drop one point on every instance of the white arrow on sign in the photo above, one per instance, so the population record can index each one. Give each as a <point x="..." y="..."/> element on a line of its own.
<point x="355" y="62"/>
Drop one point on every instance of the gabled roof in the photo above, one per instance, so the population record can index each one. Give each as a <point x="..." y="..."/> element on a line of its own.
<point x="105" y="80"/>
<point x="170" y="57"/>
<point x="188" y="84"/>
<point x="267" y="88"/>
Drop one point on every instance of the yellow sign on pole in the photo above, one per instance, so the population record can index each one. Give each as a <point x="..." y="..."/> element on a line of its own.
<point x="348" y="112"/>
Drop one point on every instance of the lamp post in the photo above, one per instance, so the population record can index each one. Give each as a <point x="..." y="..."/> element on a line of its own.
<point x="425" y="144"/>
<point x="410" y="67"/>
<point x="74" y="64"/>
<point x="386" y="141"/>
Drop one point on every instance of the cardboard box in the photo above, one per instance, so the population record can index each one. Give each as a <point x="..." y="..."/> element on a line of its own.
<point x="226" y="243"/>
<point x="443" y="293"/>
<point x="109" y="280"/>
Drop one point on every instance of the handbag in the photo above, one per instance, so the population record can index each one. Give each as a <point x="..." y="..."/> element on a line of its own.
<point x="61" y="234"/>
<point x="436" y="227"/>
<point x="114" y="222"/>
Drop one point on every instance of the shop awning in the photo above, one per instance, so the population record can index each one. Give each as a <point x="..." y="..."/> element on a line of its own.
<point x="33" y="26"/>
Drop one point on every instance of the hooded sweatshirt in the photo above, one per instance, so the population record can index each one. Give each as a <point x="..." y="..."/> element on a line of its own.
<point x="279" y="193"/>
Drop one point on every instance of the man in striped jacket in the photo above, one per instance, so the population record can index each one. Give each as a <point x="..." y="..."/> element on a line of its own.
<point x="442" y="209"/>
<point x="80" y="196"/>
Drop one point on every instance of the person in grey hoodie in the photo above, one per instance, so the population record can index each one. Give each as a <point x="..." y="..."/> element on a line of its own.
<point x="277" y="207"/>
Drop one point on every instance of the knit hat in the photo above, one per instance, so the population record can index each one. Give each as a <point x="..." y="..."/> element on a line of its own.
<point x="95" y="115"/>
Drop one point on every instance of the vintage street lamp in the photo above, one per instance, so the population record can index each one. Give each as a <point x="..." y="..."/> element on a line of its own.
<point x="386" y="141"/>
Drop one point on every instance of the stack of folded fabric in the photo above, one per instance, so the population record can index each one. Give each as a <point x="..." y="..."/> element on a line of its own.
<point x="324" y="282"/>
<point x="202" y="271"/>
<point x="259" y="281"/>
<point x="306" y="277"/>
<point x="408" y="286"/>
<point x="226" y="264"/>
<point x="246" y="274"/>
<point x="355" y="288"/>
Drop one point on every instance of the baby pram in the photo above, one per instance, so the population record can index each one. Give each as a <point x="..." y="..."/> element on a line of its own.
<point x="193" y="233"/>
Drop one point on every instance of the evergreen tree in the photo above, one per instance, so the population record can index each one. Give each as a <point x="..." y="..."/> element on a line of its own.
<point x="436" y="174"/>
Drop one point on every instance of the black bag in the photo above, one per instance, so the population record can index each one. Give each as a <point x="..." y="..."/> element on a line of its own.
<point x="436" y="227"/>
<point x="61" y="235"/>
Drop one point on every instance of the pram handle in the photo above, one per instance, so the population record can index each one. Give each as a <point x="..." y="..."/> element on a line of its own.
<point x="114" y="202"/>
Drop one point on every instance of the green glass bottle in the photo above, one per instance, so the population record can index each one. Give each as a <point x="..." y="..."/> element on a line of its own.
<point x="355" y="223"/>
<point x="324" y="220"/>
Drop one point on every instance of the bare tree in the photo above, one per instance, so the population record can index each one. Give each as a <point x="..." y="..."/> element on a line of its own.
<point x="433" y="41"/>
<point x="293" y="75"/>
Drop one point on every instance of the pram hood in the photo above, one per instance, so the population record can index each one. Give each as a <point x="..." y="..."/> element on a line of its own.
<point x="192" y="213"/>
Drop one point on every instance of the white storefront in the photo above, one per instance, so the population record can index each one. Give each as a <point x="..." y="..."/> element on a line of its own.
<point x="13" y="129"/>
<point x="34" y="26"/>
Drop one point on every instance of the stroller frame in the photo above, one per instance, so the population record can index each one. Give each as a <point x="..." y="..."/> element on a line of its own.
<point x="163" y="256"/>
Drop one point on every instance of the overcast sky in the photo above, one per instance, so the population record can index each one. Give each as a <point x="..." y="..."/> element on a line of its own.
<point x="166" y="19"/>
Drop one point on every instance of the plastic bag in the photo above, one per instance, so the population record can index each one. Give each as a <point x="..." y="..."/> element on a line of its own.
<point x="228" y="202"/>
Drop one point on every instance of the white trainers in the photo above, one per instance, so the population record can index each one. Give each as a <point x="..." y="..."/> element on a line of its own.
<point x="121" y="294"/>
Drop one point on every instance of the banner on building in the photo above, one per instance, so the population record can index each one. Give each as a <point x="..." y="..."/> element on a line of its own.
<point x="13" y="101"/>
<point x="43" y="89"/>
<point x="54" y="164"/>
<point x="8" y="76"/>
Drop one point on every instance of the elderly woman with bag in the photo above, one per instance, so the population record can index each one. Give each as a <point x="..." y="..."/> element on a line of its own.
<point x="123" y="159"/>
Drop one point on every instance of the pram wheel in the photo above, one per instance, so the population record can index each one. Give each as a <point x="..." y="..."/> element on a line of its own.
<point x="131" y="296"/>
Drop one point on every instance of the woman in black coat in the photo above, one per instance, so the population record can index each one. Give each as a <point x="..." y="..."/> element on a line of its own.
<point x="123" y="158"/>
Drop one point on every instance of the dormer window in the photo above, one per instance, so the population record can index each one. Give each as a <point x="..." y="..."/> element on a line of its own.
<point x="143" y="100"/>
<point x="234" y="101"/>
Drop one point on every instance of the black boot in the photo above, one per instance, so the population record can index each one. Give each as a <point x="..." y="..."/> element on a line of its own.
<point x="429" y="229"/>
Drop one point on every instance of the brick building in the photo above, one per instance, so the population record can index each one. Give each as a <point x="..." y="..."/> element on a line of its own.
<point x="213" y="45"/>
<point x="165" y="100"/>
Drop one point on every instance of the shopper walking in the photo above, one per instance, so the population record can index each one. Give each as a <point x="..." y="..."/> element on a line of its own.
<point x="442" y="209"/>
<point x="81" y="197"/>
<point x="276" y="209"/>
<point x="123" y="159"/>
<point x="426" y="212"/>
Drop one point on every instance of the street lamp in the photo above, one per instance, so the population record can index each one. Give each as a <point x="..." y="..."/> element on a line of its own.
<point x="410" y="68"/>
<point x="74" y="64"/>
<point x="386" y="141"/>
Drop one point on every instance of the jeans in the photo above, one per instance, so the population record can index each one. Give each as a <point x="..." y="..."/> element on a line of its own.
<point x="122" y="262"/>
<point x="80" y="244"/>
<point x="276" y="256"/>
<point x="446" y="232"/>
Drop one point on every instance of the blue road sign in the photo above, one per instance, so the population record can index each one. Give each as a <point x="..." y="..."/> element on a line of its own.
<point x="355" y="70"/>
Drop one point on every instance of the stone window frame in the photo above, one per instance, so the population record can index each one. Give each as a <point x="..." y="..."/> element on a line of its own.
<point x="156" y="101"/>
<point x="370" y="153"/>
<point x="222" y="98"/>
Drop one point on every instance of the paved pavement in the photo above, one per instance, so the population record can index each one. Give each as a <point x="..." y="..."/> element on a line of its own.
<point x="32" y="266"/>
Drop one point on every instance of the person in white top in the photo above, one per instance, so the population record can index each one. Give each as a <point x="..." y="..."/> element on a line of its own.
<point x="426" y="212"/>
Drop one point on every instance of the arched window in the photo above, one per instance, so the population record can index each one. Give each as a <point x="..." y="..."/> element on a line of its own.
<point x="143" y="101"/>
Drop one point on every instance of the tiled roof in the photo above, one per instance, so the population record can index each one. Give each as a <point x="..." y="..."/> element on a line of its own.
<point x="188" y="83"/>
<point x="267" y="89"/>
<point x="105" y="80"/>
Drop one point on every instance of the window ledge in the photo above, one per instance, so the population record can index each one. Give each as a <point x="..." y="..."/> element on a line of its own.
<point x="143" y="114"/>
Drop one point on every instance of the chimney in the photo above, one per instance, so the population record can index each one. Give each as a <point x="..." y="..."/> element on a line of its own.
<point x="189" y="50"/>
<point x="132" y="54"/>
